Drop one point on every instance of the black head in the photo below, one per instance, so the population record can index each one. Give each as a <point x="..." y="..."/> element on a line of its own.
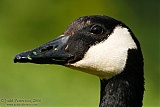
<point x="88" y="31"/>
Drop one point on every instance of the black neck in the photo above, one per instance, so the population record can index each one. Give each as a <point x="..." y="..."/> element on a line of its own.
<point x="125" y="89"/>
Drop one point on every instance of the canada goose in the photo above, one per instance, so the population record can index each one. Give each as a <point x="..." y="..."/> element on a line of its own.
<point x="102" y="46"/>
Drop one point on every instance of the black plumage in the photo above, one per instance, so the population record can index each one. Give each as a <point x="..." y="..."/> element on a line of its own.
<point x="127" y="88"/>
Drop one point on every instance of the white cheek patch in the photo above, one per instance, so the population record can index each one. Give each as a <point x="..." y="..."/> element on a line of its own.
<point x="108" y="57"/>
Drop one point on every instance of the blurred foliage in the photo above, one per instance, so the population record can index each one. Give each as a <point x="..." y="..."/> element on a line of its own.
<point x="25" y="24"/>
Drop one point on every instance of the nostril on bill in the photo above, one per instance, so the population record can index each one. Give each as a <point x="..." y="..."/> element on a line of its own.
<point x="47" y="49"/>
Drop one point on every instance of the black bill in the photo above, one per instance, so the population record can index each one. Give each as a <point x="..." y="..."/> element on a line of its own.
<point x="52" y="52"/>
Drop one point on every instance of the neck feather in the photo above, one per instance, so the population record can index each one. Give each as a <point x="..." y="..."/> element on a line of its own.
<point x="125" y="89"/>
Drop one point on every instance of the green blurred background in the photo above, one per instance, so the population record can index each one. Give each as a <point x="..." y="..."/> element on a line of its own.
<point x="26" y="24"/>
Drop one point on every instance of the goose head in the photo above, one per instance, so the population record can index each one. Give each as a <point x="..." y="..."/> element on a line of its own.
<point x="98" y="45"/>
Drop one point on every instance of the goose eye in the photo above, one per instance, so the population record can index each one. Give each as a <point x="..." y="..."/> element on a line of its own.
<point x="96" y="29"/>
